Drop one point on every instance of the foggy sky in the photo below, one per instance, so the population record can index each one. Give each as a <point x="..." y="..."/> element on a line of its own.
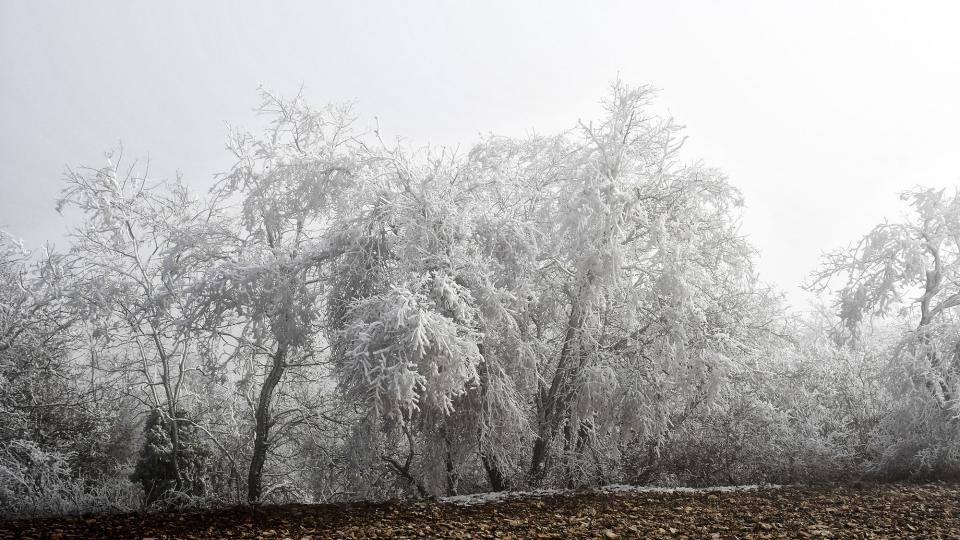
<point x="820" y="112"/>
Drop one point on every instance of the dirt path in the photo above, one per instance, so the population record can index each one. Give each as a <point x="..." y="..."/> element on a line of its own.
<point x="901" y="511"/>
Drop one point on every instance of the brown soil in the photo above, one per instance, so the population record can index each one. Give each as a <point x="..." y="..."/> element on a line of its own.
<point x="882" y="511"/>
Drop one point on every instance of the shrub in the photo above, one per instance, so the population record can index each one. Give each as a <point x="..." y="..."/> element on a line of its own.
<point x="155" y="470"/>
<point x="37" y="483"/>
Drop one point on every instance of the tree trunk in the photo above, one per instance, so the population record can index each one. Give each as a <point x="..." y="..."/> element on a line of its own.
<point x="450" y="473"/>
<point x="263" y="424"/>
<point x="934" y="279"/>
<point x="175" y="446"/>
<point x="552" y="404"/>
<point x="171" y="406"/>
<point x="494" y="475"/>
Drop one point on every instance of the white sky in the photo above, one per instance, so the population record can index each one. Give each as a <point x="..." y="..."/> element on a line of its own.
<point x="820" y="112"/>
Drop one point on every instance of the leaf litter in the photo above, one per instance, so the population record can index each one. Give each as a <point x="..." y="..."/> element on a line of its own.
<point x="618" y="512"/>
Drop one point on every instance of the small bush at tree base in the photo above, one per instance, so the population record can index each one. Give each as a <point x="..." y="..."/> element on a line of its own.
<point x="157" y="472"/>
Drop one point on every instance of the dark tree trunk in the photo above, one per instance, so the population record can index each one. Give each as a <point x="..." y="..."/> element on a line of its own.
<point x="175" y="447"/>
<point x="552" y="404"/>
<point x="403" y="470"/>
<point x="171" y="397"/>
<point x="538" y="460"/>
<point x="494" y="475"/>
<point x="451" y="475"/>
<point x="263" y="425"/>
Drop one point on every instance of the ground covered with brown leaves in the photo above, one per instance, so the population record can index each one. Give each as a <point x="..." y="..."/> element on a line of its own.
<point x="882" y="511"/>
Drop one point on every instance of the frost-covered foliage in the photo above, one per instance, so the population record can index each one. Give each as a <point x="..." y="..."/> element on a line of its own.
<point x="345" y="317"/>
<point x="541" y="300"/>
<point x="130" y="285"/>
<point x="38" y="483"/>
<point x="911" y="270"/>
<point x="803" y="410"/>
<point x="60" y="449"/>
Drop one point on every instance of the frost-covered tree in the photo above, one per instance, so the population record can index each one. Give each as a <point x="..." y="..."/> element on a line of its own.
<point x="639" y="290"/>
<point x="32" y="290"/>
<point x="406" y="323"/>
<point x="266" y="270"/>
<point x="128" y="283"/>
<point x="542" y="299"/>
<point x="910" y="270"/>
<point x="33" y="370"/>
<point x="61" y="440"/>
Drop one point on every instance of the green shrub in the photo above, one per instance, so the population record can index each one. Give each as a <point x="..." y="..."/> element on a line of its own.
<point x="155" y="470"/>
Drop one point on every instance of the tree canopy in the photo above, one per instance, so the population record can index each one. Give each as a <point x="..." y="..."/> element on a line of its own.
<point x="341" y="317"/>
